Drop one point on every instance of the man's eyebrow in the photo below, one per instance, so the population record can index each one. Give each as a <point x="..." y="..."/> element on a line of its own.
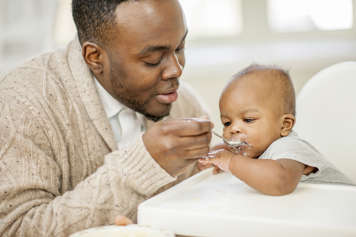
<point x="152" y="48"/>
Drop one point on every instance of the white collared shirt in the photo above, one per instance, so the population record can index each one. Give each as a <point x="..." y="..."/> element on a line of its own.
<point x="127" y="125"/>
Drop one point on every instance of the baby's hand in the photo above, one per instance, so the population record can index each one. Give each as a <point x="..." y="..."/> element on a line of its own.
<point x="201" y="165"/>
<point x="218" y="158"/>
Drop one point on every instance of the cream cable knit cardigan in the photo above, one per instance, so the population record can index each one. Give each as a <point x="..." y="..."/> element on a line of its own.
<point x="60" y="169"/>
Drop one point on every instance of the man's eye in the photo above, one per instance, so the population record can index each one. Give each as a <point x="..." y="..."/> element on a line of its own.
<point x="153" y="64"/>
<point x="249" y="120"/>
<point x="226" y="124"/>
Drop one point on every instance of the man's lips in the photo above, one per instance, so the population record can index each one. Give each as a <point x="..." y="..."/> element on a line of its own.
<point x="167" y="98"/>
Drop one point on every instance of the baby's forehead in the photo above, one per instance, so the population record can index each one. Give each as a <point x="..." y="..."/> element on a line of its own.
<point x="262" y="86"/>
<point x="260" y="80"/>
<point x="262" y="76"/>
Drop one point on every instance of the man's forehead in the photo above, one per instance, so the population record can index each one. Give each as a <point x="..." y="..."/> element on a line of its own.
<point x="159" y="46"/>
<point x="155" y="22"/>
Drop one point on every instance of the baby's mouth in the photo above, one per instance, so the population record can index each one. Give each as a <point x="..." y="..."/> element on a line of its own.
<point x="239" y="144"/>
<point x="239" y="139"/>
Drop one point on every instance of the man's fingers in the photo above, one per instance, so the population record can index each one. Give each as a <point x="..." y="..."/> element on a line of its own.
<point x="122" y="220"/>
<point x="172" y="143"/>
<point x="191" y="147"/>
<point x="220" y="146"/>
<point x="194" y="143"/>
<point x="189" y="127"/>
<point x="197" y="153"/>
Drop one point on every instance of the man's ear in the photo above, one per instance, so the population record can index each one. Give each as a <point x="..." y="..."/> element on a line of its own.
<point x="287" y="123"/>
<point x="93" y="55"/>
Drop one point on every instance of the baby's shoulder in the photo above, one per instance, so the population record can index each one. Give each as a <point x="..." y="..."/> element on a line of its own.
<point x="290" y="145"/>
<point x="292" y="140"/>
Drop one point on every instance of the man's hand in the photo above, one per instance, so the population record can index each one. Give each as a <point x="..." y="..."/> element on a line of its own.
<point x="123" y="220"/>
<point x="176" y="143"/>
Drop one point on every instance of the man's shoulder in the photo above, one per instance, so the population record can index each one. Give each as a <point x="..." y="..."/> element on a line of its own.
<point x="34" y="70"/>
<point x="37" y="81"/>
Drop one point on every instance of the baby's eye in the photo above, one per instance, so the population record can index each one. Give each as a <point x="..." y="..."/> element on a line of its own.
<point x="226" y="124"/>
<point x="248" y="120"/>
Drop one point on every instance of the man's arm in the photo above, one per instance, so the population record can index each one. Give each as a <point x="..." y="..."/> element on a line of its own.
<point x="35" y="200"/>
<point x="37" y="197"/>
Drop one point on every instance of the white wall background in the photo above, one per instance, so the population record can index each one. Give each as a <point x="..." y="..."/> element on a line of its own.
<point x="302" y="36"/>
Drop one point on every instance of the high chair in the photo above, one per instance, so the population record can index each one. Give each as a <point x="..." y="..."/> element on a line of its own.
<point x="326" y="115"/>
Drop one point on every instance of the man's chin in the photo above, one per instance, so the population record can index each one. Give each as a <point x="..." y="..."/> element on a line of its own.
<point x="154" y="118"/>
<point x="157" y="117"/>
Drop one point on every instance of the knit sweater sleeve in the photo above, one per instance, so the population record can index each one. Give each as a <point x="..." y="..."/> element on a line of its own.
<point x="34" y="201"/>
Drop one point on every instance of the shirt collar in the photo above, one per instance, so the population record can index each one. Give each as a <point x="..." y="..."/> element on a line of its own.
<point x="111" y="105"/>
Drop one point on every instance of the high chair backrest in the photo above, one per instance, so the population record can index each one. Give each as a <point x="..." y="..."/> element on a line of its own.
<point x="326" y="115"/>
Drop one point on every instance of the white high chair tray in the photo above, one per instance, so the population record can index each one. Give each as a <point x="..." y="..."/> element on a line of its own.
<point x="209" y="205"/>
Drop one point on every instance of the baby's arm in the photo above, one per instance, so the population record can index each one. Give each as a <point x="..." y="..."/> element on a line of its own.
<point x="272" y="177"/>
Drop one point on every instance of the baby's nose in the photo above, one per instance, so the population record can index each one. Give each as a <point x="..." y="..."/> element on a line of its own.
<point x="235" y="130"/>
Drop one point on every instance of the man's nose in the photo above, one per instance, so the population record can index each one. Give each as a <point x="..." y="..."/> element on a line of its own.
<point x="173" y="69"/>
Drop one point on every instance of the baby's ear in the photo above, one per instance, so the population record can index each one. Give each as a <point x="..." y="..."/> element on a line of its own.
<point x="287" y="123"/>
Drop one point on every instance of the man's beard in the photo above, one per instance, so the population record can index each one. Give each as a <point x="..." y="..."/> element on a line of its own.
<point x="140" y="108"/>
<point x="136" y="105"/>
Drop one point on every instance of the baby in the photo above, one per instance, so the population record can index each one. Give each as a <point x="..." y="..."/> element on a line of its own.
<point x="257" y="107"/>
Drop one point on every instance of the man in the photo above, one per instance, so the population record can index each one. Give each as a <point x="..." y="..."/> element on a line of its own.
<point x="69" y="159"/>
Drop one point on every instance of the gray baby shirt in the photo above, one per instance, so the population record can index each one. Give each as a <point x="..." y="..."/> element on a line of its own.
<point x="294" y="148"/>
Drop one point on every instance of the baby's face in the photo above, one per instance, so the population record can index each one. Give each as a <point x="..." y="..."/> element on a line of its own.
<point x="250" y="113"/>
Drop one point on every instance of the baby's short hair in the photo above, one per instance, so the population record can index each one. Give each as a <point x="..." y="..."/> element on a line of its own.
<point x="285" y="82"/>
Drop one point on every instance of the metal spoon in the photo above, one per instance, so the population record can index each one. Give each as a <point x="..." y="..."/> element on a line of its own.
<point x="233" y="144"/>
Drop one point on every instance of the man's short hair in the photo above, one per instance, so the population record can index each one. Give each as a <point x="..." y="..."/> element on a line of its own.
<point x="94" y="19"/>
<point x="288" y="92"/>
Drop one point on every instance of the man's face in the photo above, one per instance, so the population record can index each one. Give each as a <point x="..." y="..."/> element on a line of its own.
<point x="146" y="56"/>
<point x="250" y="113"/>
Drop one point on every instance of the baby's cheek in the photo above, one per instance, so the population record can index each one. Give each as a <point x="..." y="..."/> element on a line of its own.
<point x="257" y="145"/>
<point x="257" y="151"/>
<point x="250" y="150"/>
<point x="226" y="133"/>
